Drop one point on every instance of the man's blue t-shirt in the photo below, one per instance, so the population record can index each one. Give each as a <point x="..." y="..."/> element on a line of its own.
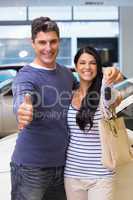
<point x="44" y="141"/>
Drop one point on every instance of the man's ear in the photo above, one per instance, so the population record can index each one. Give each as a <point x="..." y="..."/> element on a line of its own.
<point x="32" y="43"/>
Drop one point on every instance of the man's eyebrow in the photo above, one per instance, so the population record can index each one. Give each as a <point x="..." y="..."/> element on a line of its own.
<point x="43" y="40"/>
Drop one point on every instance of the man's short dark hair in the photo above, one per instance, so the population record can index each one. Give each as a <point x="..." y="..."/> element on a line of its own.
<point x="44" y="24"/>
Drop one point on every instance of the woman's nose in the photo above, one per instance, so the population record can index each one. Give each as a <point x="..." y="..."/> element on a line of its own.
<point x="88" y="65"/>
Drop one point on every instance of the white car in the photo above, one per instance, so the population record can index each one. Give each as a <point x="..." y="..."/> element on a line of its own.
<point x="8" y="123"/>
<point x="6" y="148"/>
<point x="124" y="183"/>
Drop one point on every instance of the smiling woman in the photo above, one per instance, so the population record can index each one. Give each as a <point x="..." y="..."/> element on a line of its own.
<point x="85" y="175"/>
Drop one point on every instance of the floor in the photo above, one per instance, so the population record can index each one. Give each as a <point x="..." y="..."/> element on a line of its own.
<point x="124" y="183"/>
<point x="6" y="149"/>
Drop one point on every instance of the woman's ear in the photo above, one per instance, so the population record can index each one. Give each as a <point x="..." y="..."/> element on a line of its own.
<point x="76" y="69"/>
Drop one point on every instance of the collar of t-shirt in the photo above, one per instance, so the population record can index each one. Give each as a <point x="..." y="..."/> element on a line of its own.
<point x="40" y="67"/>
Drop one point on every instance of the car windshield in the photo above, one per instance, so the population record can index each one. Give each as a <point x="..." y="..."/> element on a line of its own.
<point x="125" y="109"/>
<point x="127" y="113"/>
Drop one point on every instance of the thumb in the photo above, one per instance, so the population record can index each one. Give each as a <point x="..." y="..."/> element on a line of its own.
<point x="108" y="72"/>
<point x="108" y="75"/>
<point x="28" y="99"/>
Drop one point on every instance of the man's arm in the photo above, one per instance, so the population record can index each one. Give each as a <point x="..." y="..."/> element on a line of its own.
<point x="22" y="103"/>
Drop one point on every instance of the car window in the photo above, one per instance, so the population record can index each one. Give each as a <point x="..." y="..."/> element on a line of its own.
<point x="5" y="87"/>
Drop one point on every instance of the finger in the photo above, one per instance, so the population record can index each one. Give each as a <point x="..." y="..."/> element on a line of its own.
<point x="107" y="73"/>
<point x="27" y="99"/>
<point x="111" y="75"/>
<point x="22" y="125"/>
<point x="25" y="118"/>
<point x="26" y="112"/>
<point x="23" y="122"/>
<point x="108" y="70"/>
<point x="118" y="78"/>
<point x="110" y="80"/>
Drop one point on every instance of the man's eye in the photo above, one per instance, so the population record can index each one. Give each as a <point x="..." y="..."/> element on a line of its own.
<point x="82" y="63"/>
<point x="53" y="41"/>
<point x="42" y="42"/>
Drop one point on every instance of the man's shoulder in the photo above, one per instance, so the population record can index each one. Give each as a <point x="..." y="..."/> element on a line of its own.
<point x="26" y="68"/>
<point x="64" y="68"/>
<point x="25" y="73"/>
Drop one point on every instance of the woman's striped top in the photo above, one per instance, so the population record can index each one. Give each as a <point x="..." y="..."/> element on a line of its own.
<point x="83" y="159"/>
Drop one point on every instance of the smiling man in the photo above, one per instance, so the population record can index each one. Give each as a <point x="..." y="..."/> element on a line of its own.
<point x="38" y="159"/>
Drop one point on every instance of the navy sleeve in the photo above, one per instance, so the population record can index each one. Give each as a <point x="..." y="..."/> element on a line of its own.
<point x="20" y="87"/>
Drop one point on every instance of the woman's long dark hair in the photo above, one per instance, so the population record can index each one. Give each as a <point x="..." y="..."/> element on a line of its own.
<point x="90" y="102"/>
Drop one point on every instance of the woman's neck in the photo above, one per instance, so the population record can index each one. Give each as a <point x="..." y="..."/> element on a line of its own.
<point x="83" y="88"/>
<point x="80" y="94"/>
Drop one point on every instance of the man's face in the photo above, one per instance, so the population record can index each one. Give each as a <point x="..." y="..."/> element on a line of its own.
<point x="46" y="45"/>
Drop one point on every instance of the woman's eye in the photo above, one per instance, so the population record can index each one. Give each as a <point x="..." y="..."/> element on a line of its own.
<point x="93" y="63"/>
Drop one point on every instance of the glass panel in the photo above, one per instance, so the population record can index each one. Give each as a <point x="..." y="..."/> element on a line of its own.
<point x="67" y="30"/>
<point x="107" y="47"/>
<point x="89" y="29"/>
<point x="54" y="12"/>
<point x="15" y="51"/>
<point x="64" y="56"/>
<point x="95" y="13"/>
<point x="12" y="13"/>
<point x="15" y="32"/>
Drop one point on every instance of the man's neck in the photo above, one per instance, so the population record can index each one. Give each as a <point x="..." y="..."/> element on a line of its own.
<point x="35" y="65"/>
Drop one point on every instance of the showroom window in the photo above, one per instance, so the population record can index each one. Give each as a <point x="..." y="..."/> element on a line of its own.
<point x="78" y="25"/>
<point x="15" y="51"/>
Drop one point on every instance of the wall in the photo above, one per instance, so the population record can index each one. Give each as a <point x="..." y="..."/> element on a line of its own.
<point x="64" y="2"/>
<point x="126" y="40"/>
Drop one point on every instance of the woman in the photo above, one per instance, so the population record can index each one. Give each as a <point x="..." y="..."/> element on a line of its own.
<point x="85" y="176"/>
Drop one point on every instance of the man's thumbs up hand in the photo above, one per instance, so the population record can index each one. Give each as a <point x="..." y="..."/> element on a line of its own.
<point x="25" y="112"/>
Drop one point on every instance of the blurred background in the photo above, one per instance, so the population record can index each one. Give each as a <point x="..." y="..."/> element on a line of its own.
<point x="104" y="24"/>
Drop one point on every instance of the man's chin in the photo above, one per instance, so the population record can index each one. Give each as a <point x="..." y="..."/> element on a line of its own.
<point x="49" y="64"/>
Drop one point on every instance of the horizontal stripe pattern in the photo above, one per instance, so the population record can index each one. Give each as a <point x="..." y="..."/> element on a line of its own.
<point x="84" y="150"/>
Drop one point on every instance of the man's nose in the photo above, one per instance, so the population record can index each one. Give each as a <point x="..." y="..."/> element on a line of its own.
<point x="48" y="46"/>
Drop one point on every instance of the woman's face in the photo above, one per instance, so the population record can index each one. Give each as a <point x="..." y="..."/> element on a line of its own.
<point x="86" y="67"/>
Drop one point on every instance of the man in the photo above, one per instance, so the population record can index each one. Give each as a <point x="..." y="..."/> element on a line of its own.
<point x="39" y="156"/>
